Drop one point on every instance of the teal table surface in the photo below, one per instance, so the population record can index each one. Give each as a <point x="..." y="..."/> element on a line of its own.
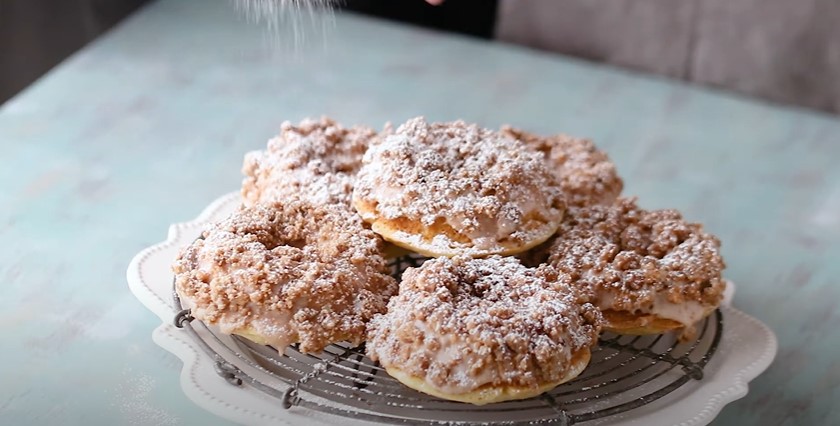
<point x="148" y="124"/>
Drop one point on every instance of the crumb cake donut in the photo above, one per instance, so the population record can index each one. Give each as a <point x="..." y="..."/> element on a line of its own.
<point x="649" y="271"/>
<point x="444" y="189"/>
<point x="586" y="174"/>
<point x="286" y="273"/>
<point x="316" y="160"/>
<point x="484" y="330"/>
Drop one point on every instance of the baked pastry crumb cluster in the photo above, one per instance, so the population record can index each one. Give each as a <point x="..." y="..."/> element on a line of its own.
<point x="443" y="189"/>
<point x="305" y="259"/>
<point x="585" y="174"/>
<point x="652" y="266"/>
<point x="484" y="330"/>
<point x="289" y="272"/>
<point x="316" y="160"/>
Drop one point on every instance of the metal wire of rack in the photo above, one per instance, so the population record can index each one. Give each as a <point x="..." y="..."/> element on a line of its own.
<point x="625" y="372"/>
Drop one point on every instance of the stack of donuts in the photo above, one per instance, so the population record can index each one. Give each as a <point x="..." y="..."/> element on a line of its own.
<point x="531" y="253"/>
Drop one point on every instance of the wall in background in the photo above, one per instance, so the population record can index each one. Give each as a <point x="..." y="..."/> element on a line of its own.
<point x="782" y="50"/>
<point x="35" y="35"/>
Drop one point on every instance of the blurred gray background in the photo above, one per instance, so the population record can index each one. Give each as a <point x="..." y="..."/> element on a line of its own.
<point x="785" y="51"/>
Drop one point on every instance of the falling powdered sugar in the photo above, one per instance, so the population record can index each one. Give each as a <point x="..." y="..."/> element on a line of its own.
<point x="297" y="16"/>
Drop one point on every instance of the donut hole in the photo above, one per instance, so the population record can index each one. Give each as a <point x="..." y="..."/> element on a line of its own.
<point x="537" y="255"/>
<point x="203" y="276"/>
<point x="299" y="243"/>
<point x="276" y="241"/>
<point x="477" y="289"/>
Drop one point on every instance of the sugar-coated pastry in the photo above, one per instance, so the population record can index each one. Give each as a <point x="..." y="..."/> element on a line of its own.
<point x="286" y="273"/>
<point x="648" y="271"/>
<point x="316" y="160"/>
<point x="586" y="174"/>
<point x="484" y="330"/>
<point x="446" y="189"/>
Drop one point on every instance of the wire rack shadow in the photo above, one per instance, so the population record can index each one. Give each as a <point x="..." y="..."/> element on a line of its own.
<point x="626" y="372"/>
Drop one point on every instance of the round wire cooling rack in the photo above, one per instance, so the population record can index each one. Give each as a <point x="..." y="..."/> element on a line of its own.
<point x="625" y="372"/>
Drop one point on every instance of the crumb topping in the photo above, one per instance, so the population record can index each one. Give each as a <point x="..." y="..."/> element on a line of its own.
<point x="632" y="259"/>
<point x="462" y="323"/>
<point x="483" y="186"/>
<point x="586" y="174"/>
<point x="316" y="159"/>
<point x="288" y="272"/>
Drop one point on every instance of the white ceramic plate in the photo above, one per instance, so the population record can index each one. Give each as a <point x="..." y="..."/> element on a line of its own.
<point x="746" y="349"/>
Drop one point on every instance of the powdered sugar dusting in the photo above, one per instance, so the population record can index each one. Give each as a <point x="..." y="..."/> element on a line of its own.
<point x="287" y="272"/>
<point x="633" y="259"/>
<point x="463" y="323"/>
<point x="316" y="160"/>
<point x="586" y="174"/>
<point x="135" y="402"/>
<point x="467" y="189"/>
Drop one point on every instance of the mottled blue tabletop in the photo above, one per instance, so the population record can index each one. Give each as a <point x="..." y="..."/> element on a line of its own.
<point x="148" y="124"/>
